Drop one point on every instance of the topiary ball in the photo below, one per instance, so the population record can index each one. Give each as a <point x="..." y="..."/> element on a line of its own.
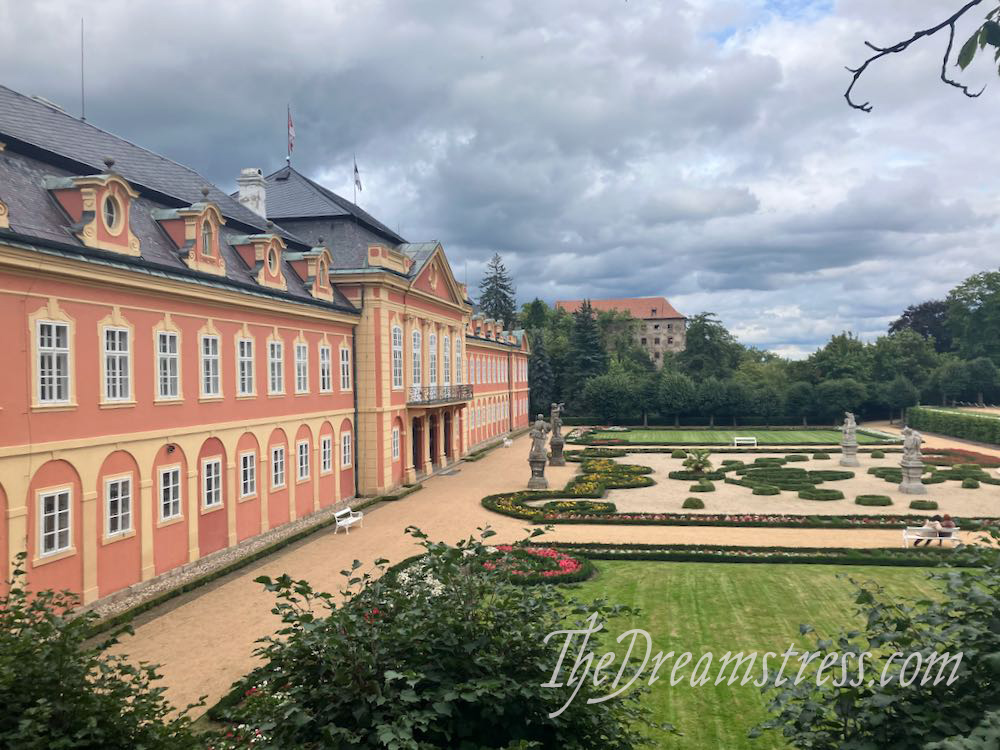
<point x="878" y="454"/>
<point x="873" y="500"/>
<point x="694" y="502"/>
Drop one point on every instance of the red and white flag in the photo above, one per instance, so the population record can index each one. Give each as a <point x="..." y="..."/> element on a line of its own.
<point x="291" y="131"/>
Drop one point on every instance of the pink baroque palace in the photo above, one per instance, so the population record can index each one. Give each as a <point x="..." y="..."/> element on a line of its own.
<point x="187" y="369"/>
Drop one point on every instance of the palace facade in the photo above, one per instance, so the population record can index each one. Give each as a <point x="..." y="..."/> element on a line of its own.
<point x="187" y="369"/>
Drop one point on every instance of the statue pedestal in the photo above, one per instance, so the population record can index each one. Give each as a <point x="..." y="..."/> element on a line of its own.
<point x="913" y="470"/>
<point x="849" y="454"/>
<point x="538" y="480"/>
<point x="556" y="444"/>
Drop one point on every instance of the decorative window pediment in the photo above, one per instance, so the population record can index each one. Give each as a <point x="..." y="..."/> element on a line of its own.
<point x="264" y="254"/>
<point x="100" y="207"/>
<point x="196" y="231"/>
<point x="314" y="268"/>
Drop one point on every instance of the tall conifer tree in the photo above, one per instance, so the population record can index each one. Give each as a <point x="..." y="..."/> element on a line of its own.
<point x="497" y="293"/>
<point x="540" y="376"/>
<point x="588" y="356"/>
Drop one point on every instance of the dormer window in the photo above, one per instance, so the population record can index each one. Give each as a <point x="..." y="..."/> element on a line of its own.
<point x="206" y="238"/>
<point x="112" y="214"/>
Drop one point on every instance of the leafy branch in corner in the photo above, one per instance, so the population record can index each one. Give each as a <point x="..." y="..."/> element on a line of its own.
<point x="987" y="34"/>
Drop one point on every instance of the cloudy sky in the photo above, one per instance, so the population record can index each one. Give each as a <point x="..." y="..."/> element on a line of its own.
<point x="698" y="149"/>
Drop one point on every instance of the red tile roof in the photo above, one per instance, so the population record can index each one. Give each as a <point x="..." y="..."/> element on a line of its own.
<point x="637" y="307"/>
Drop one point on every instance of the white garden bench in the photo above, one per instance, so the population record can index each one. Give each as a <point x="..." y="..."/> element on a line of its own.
<point x="346" y="518"/>
<point x="919" y="532"/>
<point x="751" y="441"/>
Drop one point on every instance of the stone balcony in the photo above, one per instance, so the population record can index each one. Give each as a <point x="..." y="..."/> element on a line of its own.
<point x="438" y="394"/>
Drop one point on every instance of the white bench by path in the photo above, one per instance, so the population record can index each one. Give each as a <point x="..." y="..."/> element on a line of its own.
<point x="919" y="532"/>
<point x="346" y="518"/>
<point x="738" y="441"/>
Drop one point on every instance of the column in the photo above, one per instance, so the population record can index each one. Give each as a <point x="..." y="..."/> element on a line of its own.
<point x="425" y="444"/>
<point x="231" y="498"/>
<point x="91" y="535"/>
<point x="192" y="510"/>
<point x="440" y="439"/>
<point x="147" y="512"/>
<point x="406" y="446"/>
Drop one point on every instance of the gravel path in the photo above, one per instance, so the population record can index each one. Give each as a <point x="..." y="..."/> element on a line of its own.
<point x="204" y="639"/>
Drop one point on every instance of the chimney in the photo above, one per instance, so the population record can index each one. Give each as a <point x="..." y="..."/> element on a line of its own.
<point x="253" y="193"/>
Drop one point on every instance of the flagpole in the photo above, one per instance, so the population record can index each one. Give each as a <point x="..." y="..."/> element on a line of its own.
<point x="288" y="136"/>
<point x="354" y="179"/>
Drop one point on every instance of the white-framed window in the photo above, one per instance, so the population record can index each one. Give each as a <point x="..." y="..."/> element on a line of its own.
<point x="211" y="482"/>
<point x="395" y="443"/>
<point x="116" y="365"/>
<point x="54" y="522"/>
<point x="168" y="377"/>
<point x="53" y="362"/>
<point x="418" y="354"/>
<point x="302" y="456"/>
<point x="244" y="367"/>
<point x="325" y="374"/>
<point x="346" y="456"/>
<point x="432" y="360"/>
<point x="345" y="369"/>
<point x="211" y="384"/>
<point x="397" y="357"/>
<point x="446" y="360"/>
<point x="326" y="454"/>
<point x="170" y="493"/>
<point x="248" y="474"/>
<point x="278" y="466"/>
<point x="458" y="362"/>
<point x="118" y="506"/>
<point x="275" y="367"/>
<point x="301" y="368"/>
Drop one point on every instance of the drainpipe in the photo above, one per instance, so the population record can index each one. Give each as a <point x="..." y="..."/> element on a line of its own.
<point x="354" y="375"/>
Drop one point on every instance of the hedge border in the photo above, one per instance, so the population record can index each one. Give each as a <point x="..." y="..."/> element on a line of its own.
<point x="962" y="425"/>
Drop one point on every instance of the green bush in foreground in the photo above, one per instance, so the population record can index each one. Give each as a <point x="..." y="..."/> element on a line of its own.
<point x="693" y="503"/>
<point x="923" y="505"/>
<point x="58" y="691"/>
<point x="450" y="655"/>
<point x="873" y="500"/>
<point x="819" y="494"/>
<point x="952" y="645"/>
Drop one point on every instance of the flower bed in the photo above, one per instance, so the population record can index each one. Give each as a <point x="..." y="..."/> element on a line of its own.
<point x="578" y="506"/>
<point x="533" y="564"/>
<point x="756" y="519"/>
<point x="809" y="555"/>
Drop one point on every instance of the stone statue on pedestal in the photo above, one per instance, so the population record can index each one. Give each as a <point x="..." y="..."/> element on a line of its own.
<point x="538" y="455"/>
<point x="912" y="463"/>
<point x="849" y="441"/>
<point x="558" y="441"/>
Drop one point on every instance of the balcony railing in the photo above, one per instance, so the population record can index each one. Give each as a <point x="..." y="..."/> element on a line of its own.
<point x="439" y="394"/>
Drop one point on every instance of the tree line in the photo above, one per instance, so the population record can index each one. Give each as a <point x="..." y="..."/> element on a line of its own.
<point x="936" y="352"/>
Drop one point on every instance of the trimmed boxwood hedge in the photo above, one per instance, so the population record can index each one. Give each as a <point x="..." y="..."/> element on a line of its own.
<point x="878" y="454"/>
<point x="873" y="500"/>
<point x="703" y="485"/>
<point x="797" y="457"/>
<point x="824" y="495"/>
<point x="980" y="428"/>
<point x="694" y="503"/>
<point x="970" y="484"/>
<point x="821" y="456"/>
<point x="695" y="476"/>
<point x="923" y="505"/>
<point x="678" y="454"/>
<point x="766" y="489"/>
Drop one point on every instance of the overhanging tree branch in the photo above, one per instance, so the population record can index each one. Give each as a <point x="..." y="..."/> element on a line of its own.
<point x="880" y="52"/>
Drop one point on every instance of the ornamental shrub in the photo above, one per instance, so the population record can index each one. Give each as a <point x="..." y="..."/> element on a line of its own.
<point x="878" y="454"/>
<point x="797" y="457"/>
<point x="923" y="505"/>
<point x="821" y="494"/>
<point x="766" y="489"/>
<point x="820" y="456"/>
<point x="60" y="691"/>
<point x="873" y="500"/>
<point x="426" y="661"/>
<point x="678" y="453"/>
<point x="829" y="475"/>
<point x="703" y="485"/>
<point x="964" y="425"/>
<point x="693" y="503"/>
<point x="970" y="484"/>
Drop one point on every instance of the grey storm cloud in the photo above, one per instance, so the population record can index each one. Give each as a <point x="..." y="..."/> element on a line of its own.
<point x="699" y="149"/>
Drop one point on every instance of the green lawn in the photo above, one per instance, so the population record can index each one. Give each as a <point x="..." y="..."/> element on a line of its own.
<point x="725" y="437"/>
<point x="722" y="607"/>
